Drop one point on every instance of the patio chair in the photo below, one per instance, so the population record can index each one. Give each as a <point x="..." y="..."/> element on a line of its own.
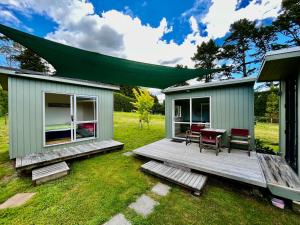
<point x="193" y="132"/>
<point x="210" y="139"/>
<point x="239" y="137"/>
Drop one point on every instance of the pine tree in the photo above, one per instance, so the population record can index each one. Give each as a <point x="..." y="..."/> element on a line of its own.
<point x="31" y="61"/>
<point x="238" y="45"/>
<point x="288" y="23"/>
<point x="206" y="57"/>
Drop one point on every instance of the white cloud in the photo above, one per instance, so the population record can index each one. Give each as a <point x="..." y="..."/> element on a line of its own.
<point x="8" y="16"/>
<point x="221" y="14"/>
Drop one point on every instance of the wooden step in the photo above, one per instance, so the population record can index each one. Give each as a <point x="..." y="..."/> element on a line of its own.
<point x="180" y="176"/>
<point x="48" y="173"/>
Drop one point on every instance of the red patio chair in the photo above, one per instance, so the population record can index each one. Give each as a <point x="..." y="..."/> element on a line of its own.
<point x="239" y="137"/>
<point x="193" y="132"/>
<point x="210" y="139"/>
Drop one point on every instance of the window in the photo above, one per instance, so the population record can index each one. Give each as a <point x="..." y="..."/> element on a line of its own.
<point x="190" y="111"/>
<point x="69" y="118"/>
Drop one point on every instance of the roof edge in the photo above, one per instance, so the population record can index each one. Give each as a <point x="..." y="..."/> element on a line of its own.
<point x="16" y="73"/>
<point x="210" y="84"/>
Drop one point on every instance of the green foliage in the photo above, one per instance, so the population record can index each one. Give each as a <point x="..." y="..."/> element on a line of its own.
<point x="143" y="105"/>
<point x="127" y="90"/>
<point x="261" y="148"/>
<point x="272" y="105"/>
<point x="31" y="61"/>
<point x="122" y="103"/>
<point x="9" y="50"/>
<point x="238" y="45"/>
<point x="260" y="102"/>
<point x="158" y="108"/>
<point x="3" y="102"/>
<point x="288" y="22"/>
<point x="206" y="57"/>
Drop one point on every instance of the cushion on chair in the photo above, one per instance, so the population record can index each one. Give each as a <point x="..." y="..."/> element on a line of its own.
<point x="209" y="140"/>
<point x="197" y="127"/>
<point x="239" y="132"/>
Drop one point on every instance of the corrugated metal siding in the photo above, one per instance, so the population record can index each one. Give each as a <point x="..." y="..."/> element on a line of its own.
<point x="26" y="113"/>
<point x="231" y="107"/>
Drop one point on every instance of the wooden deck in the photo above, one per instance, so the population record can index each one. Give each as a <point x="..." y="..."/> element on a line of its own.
<point x="236" y="165"/>
<point x="281" y="179"/>
<point x="65" y="153"/>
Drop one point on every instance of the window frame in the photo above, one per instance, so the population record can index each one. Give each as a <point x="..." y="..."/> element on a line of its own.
<point x="72" y="113"/>
<point x="191" y="113"/>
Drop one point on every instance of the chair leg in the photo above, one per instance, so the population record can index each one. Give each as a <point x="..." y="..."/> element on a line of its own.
<point x="249" y="150"/>
<point x="229" y="147"/>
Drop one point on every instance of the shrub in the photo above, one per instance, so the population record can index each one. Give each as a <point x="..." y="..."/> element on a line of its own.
<point x="261" y="148"/>
<point x="122" y="103"/>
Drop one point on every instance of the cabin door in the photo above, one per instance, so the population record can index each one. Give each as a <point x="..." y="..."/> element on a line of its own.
<point x="291" y="131"/>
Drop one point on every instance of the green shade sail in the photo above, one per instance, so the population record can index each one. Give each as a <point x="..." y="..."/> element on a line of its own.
<point x="81" y="64"/>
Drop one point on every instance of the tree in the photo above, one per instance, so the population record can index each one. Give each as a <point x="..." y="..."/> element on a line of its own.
<point x="238" y="45"/>
<point x="272" y="106"/>
<point x="158" y="108"/>
<point x="184" y="83"/>
<point x="206" y="57"/>
<point x="31" y="61"/>
<point x="127" y="90"/>
<point x="288" y="23"/>
<point x="9" y="49"/>
<point x="264" y="38"/>
<point x="143" y="105"/>
<point x="3" y="102"/>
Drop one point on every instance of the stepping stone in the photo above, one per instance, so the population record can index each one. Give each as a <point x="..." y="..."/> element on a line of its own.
<point x="17" y="200"/>
<point x="130" y="153"/>
<point x="161" y="189"/>
<point x="118" y="219"/>
<point x="144" y="205"/>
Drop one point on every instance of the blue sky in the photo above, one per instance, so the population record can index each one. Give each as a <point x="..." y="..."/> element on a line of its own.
<point x="154" y="31"/>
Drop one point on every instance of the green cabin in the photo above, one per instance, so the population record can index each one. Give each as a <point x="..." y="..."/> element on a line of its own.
<point x="48" y="112"/>
<point x="221" y="104"/>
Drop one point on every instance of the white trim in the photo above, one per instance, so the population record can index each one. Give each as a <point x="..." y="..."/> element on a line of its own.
<point x="59" y="79"/>
<point x="191" y="119"/>
<point x="210" y="84"/>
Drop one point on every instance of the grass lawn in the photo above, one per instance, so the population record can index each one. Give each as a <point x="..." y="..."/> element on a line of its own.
<point x="269" y="134"/>
<point x="101" y="186"/>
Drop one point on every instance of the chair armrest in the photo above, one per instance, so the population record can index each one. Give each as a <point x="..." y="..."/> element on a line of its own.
<point x="249" y="138"/>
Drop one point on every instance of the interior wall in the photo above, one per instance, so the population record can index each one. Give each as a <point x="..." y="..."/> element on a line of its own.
<point x="57" y="115"/>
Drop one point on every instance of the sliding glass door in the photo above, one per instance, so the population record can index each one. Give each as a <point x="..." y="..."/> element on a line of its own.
<point x="190" y="111"/>
<point x="69" y="118"/>
<point x="85" y="121"/>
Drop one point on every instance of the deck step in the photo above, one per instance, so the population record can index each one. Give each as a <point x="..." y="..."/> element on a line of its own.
<point x="281" y="179"/>
<point x="185" y="178"/>
<point x="48" y="173"/>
